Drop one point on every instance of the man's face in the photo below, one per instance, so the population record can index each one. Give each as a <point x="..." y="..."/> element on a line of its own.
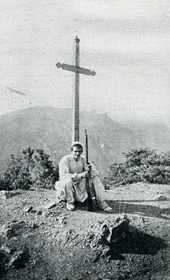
<point x="76" y="153"/>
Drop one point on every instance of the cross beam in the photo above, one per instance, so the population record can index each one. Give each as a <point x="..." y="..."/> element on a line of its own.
<point x="75" y="107"/>
<point x="75" y="69"/>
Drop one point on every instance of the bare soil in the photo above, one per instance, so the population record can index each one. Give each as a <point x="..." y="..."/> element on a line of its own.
<point x="41" y="240"/>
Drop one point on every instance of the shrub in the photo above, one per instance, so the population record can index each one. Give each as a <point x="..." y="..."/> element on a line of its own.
<point x="31" y="168"/>
<point x="141" y="165"/>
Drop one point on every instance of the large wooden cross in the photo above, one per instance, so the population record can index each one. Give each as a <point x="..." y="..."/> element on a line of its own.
<point x="75" y="106"/>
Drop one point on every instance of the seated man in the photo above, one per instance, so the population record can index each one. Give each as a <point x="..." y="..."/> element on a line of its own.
<point x="72" y="184"/>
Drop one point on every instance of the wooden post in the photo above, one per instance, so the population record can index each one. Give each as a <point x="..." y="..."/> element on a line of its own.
<point x="75" y="105"/>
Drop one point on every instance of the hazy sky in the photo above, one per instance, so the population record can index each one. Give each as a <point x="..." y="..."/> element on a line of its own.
<point x="126" y="42"/>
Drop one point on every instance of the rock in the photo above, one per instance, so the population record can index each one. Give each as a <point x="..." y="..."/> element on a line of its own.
<point x="34" y="226"/>
<point x="19" y="259"/>
<point x="8" y="194"/>
<point x="142" y="219"/>
<point x="161" y="198"/>
<point x="39" y="212"/>
<point x="50" y="205"/>
<point x="101" y="237"/>
<point x="28" y="209"/>
<point x="6" y="249"/>
<point x="12" y="229"/>
<point x="61" y="220"/>
<point x="3" y="260"/>
<point x="109" y="231"/>
<point x="119" y="231"/>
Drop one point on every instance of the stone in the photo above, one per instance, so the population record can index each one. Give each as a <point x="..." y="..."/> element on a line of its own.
<point x="39" y="212"/>
<point x="3" y="260"/>
<point x="34" y="226"/>
<point x="61" y="220"/>
<point x="19" y="259"/>
<point x="160" y="198"/>
<point x="6" y="249"/>
<point x="28" y="209"/>
<point x="50" y="205"/>
<point x="8" y="194"/>
<point x="12" y="229"/>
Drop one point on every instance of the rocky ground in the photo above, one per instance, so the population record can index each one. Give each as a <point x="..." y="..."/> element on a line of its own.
<point x="42" y="240"/>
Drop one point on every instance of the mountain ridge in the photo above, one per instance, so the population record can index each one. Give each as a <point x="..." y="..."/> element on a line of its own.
<point x="50" y="129"/>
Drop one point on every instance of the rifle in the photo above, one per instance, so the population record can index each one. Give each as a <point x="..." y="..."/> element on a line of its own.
<point x="91" y="199"/>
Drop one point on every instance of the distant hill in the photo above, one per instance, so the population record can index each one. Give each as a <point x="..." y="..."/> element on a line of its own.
<point x="50" y="129"/>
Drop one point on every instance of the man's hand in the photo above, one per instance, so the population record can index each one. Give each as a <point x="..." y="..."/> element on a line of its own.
<point x="85" y="174"/>
<point x="88" y="167"/>
<point x="77" y="177"/>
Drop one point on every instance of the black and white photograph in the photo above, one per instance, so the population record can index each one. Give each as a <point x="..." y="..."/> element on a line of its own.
<point x="84" y="140"/>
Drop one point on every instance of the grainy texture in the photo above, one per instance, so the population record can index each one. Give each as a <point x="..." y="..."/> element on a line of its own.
<point x="53" y="243"/>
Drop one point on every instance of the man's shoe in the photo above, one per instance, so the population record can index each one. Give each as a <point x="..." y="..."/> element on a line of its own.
<point x="104" y="206"/>
<point x="70" y="206"/>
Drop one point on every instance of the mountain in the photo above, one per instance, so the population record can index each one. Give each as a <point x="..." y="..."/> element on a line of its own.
<point x="50" y="129"/>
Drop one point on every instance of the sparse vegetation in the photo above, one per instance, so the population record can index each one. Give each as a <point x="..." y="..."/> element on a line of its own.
<point x="32" y="168"/>
<point x="141" y="165"/>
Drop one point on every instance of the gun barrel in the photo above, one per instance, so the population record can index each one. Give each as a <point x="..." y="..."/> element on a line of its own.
<point x="87" y="156"/>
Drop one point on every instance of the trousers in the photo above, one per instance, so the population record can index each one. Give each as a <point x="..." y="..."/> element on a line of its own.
<point x="69" y="191"/>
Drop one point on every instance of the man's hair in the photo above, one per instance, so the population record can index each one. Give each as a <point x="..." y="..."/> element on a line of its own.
<point x="77" y="145"/>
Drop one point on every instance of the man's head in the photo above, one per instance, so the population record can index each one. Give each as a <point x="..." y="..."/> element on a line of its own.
<point x="76" y="150"/>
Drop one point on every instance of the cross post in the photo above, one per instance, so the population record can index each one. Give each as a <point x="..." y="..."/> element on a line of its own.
<point x="75" y="104"/>
<point x="75" y="108"/>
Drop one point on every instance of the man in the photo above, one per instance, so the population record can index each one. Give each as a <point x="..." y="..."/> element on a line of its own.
<point x="72" y="184"/>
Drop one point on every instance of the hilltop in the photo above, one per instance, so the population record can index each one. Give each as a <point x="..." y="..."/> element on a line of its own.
<point x="40" y="239"/>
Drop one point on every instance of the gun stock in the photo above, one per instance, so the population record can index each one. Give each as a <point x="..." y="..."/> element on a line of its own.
<point x="90" y="204"/>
